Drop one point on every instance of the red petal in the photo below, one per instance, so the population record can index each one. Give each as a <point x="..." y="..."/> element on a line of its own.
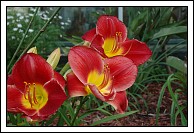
<point x="74" y="86"/>
<point x="97" y="43"/>
<point x="14" y="103"/>
<point x="35" y="118"/>
<point x="108" y="26"/>
<point x="13" y="98"/>
<point x="120" y="102"/>
<point x="10" y="80"/>
<point x="14" y="110"/>
<point x="99" y="95"/>
<point x="123" y="71"/>
<point x="96" y="92"/>
<point x="60" y="79"/>
<point x="89" y="36"/>
<point x="56" y="97"/>
<point x="31" y="68"/>
<point x="125" y="46"/>
<point x="139" y="52"/>
<point x="84" y="60"/>
<point x="28" y="112"/>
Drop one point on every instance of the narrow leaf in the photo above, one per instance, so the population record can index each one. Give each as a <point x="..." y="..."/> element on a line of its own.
<point x="170" y="31"/>
<point x="176" y="63"/>
<point x="109" y="118"/>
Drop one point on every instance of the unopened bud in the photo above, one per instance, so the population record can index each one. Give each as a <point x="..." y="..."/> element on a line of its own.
<point x="54" y="57"/>
<point x="32" y="50"/>
<point x="86" y="43"/>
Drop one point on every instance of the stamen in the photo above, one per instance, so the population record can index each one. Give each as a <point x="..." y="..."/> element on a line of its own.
<point x="30" y="93"/>
<point x="116" y="45"/>
<point x="26" y="90"/>
<point x="117" y="34"/>
<point x="114" y="49"/>
<point x="106" y="77"/>
<point x="34" y="94"/>
<point x="128" y="50"/>
<point x="120" y="37"/>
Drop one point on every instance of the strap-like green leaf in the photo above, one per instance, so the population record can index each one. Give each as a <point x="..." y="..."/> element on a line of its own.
<point x="170" y="31"/>
<point x="113" y="117"/>
<point x="176" y="63"/>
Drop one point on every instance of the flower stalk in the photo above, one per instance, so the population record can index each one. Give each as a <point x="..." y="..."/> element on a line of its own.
<point x="82" y="101"/>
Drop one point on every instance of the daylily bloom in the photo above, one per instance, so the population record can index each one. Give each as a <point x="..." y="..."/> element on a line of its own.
<point x="109" y="38"/>
<point x="34" y="89"/>
<point x="107" y="79"/>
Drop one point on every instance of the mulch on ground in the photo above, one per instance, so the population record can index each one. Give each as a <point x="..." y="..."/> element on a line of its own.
<point x="143" y="118"/>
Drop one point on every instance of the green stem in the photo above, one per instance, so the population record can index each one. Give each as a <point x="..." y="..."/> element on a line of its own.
<point x="42" y="30"/>
<point x="82" y="101"/>
<point x="22" y="40"/>
<point x="39" y="33"/>
<point x="64" y="69"/>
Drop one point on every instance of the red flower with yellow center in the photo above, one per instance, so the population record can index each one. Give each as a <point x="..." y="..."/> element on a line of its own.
<point x="34" y="88"/>
<point x="107" y="79"/>
<point x="109" y="38"/>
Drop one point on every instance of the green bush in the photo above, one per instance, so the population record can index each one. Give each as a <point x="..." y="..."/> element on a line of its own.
<point x="17" y="23"/>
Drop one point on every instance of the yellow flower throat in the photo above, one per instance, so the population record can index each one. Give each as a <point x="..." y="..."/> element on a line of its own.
<point x="35" y="96"/>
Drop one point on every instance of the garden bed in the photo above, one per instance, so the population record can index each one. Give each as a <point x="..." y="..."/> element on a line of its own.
<point x="144" y="118"/>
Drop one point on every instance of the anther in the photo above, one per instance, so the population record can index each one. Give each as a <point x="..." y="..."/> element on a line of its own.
<point x="118" y="37"/>
<point x="118" y="33"/>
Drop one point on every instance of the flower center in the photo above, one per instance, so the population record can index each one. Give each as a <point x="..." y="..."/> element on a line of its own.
<point x="111" y="45"/>
<point x="102" y="81"/>
<point x="35" y="96"/>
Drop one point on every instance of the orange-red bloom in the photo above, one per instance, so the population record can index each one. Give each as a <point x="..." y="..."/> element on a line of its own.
<point x="107" y="79"/>
<point x="34" y="89"/>
<point x="109" y="38"/>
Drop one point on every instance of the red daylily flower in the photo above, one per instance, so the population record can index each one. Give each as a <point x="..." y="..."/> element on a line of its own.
<point x="34" y="88"/>
<point x="107" y="79"/>
<point x="109" y="38"/>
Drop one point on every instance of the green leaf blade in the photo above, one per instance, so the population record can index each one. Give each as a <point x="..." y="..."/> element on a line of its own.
<point x="113" y="117"/>
<point x="170" y="31"/>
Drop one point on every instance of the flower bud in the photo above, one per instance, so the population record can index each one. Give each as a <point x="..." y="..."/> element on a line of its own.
<point x="32" y="50"/>
<point x="54" y="57"/>
<point x="86" y="43"/>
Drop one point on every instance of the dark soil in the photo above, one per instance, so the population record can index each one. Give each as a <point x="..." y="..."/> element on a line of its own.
<point x="144" y="118"/>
